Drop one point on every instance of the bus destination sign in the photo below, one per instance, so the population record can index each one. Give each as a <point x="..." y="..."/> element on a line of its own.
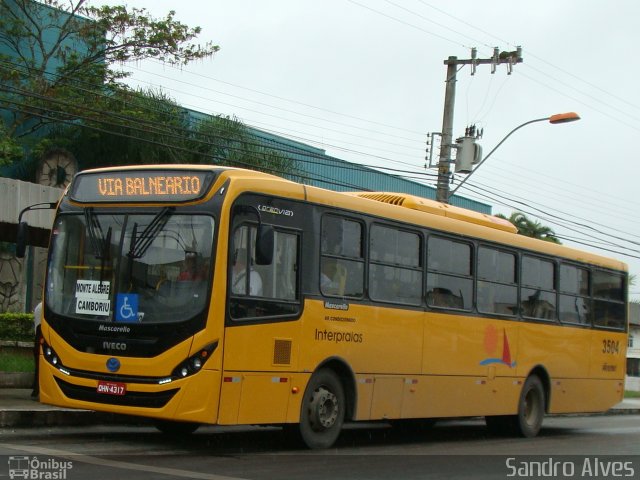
<point x="141" y="186"/>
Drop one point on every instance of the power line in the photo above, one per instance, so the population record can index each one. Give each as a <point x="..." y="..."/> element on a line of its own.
<point x="552" y="187"/>
<point x="286" y="149"/>
<point x="170" y="132"/>
<point x="297" y="102"/>
<point x="315" y="177"/>
<point x="442" y="37"/>
<point x="277" y="108"/>
<point x="423" y="18"/>
<point x="270" y="140"/>
<point x="502" y="201"/>
<point x="154" y="126"/>
<point x="582" y="200"/>
<point x="545" y="210"/>
<point x="624" y="101"/>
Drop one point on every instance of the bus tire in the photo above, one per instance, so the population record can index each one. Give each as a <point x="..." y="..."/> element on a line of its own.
<point x="531" y="408"/>
<point x="173" y="428"/>
<point x="323" y="410"/>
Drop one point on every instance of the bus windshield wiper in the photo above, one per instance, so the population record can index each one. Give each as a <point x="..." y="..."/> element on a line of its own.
<point x="96" y="236"/>
<point x="105" y="254"/>
<point x="139" y="246"/>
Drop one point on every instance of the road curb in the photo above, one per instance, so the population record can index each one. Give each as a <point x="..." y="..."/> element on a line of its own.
<point x="64" y="418"/>
<point x="623" y="411"/>
<point x="16" y="380"/>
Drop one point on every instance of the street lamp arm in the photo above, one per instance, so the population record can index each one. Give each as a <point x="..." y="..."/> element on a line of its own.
<point x="493" y="150"/>
<point x="554" y="119"/>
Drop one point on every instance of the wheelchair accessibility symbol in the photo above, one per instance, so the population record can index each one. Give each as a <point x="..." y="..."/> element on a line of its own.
<point x="127" y="307"/>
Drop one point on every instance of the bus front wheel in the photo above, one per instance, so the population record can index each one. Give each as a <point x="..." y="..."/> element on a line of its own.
<point x="323" y="409"/>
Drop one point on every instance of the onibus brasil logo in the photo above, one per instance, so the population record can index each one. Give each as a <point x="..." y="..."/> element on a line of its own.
<point x="34" y="468"/>
<point x="491" y="341"/>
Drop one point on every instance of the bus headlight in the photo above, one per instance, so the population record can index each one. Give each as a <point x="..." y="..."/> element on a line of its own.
<point x="52" y="357"/>
<point x="194" y="363"/>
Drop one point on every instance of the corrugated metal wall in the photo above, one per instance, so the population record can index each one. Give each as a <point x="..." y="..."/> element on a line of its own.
<point x="15" y="195"/>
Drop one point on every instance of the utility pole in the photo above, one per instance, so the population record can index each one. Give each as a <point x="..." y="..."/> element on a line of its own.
<point x="444" y="163"/>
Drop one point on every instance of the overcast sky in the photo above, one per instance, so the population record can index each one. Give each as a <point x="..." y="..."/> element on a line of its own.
<point x="364" y="79"/>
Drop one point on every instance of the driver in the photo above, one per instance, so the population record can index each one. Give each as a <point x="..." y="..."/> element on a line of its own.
<point x="190" y="271"/>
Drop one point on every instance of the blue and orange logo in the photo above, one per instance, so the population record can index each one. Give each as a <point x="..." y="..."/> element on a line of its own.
<point x="491" y="340"/>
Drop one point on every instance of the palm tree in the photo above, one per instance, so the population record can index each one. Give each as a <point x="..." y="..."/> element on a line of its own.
<point x="531" y="228"/>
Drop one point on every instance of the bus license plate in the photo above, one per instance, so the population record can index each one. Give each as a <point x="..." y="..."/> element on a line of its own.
<point x="111" y="388"/>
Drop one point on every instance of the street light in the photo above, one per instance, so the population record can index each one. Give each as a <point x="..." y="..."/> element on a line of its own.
<point x="553" y="119"/>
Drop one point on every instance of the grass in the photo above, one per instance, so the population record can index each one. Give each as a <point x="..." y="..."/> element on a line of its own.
<point x="629" y="394"/>
<point x="16" y="362"/>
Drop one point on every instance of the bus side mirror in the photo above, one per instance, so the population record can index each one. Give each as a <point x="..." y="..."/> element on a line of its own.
<point x="264" y="244"/>
<point x="22" y="239"/>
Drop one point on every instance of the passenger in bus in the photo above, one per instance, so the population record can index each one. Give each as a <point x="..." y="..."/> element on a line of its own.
<point x="443" y="297"/>
<point x="328" y="283"/>
<point x="239" y="276"/>
<point x="190" y="271"/>
<point x="536" y="307"/>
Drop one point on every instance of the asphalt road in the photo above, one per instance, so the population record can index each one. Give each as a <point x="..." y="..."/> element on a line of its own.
<point x="570" y="447"/>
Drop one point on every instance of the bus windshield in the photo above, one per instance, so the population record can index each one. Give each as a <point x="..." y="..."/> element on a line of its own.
<point x="133" y="268"/>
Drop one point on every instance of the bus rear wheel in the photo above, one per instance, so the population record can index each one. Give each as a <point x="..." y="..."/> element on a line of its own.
<point x="531" y="410"/>
<point x="323" y="409"/>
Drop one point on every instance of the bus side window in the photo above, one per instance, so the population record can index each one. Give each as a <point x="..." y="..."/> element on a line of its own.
<point x="608" y="291"/>
<point x="341" y="260"/>
<point x="449" y="274"/>
<point x="263" y="290"/>
<point x="538" y="290"/>
<point x="497" y="290"/>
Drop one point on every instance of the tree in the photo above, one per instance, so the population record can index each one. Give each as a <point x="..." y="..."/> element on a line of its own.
<point x="60" y="51"/>
<point x="143" y="127"/>
<point x="60" y="80"/>
<point x="124" y="127"/>
<point x="226" y="139"/>
<point x="10" y="151"/>
<point x="531" y="228"/>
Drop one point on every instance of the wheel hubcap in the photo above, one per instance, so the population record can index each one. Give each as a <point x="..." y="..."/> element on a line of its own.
<point x="324" y="409"/>
<point x="531" y="408"/>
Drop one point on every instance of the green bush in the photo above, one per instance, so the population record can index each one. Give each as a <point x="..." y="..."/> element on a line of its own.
<point x="16" y="327"/>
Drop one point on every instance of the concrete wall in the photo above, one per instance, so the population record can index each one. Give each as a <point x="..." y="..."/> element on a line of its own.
<point x="21" y="279"/>
<point x="16" y="195"/>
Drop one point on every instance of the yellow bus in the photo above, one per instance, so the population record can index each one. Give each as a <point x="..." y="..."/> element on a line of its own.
<point x="211" y="295"/>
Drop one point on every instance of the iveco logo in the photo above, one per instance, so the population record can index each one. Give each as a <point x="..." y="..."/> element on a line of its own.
<point x="114" y="346"/>
<point x="113" y="364"/>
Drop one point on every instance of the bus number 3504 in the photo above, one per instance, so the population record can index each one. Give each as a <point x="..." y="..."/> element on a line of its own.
<point x="610" y="346"/>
